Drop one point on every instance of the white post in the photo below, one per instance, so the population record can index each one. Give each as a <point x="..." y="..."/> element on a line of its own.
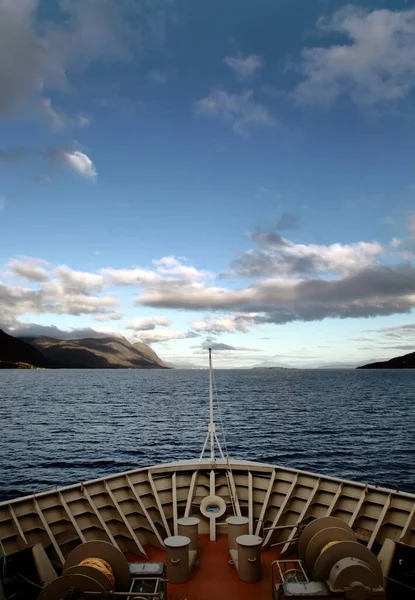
<point x="212" y="429"/>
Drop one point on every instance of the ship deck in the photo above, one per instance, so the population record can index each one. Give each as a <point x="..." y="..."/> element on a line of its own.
<point x="214" y="577"/>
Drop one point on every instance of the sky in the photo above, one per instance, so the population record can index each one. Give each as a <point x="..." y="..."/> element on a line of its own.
<point x="236" y="174"/>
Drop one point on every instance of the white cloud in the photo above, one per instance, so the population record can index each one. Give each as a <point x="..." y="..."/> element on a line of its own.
<point x="137" y="276"/>
<point x="110" y="316"/>
<point x="78" y="281"/>
<point x="244" y="67"/>
<point x="163" y="335"/>
<point x="239" y="109"/>
<point x="229" y="323"/>
<point x="167" y="268"/>
<point x="280" y="256"/>
<point x="301" y="282"/>
<point x="376" y="65"/>
<point x="81" y="164"/>
<point x="50" y="298"/>
<point x="148" y="323"/>
<point x="170" y="265"/>
<point x="28" y="268"/>
<point x="395" y="243"/>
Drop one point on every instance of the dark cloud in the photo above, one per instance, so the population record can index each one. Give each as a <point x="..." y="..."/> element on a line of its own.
<point x="287" y="221"/>
<point x="218" y="346"/>
<point x="45" y="54"/>
<point x="36" y="330"/>
<point x="267" y="238"/>
<point x="398" y="347"/>
<point x="372" y="291"/>
<point x="261" y="263"/>
<point x="280" y="256"/>
<point x="211" y="342"/>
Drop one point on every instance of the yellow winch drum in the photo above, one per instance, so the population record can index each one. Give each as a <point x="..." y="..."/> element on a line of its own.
<point x="93" y="566"/>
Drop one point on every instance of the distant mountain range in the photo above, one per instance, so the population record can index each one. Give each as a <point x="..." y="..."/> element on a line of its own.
<point x="88" y="353"/>
<point x="271" y="364"/>
<point x="407" y="361"/>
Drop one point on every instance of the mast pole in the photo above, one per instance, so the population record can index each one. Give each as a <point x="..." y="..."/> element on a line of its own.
<point x="211" y="432"/>
<point x="212" y="428"/>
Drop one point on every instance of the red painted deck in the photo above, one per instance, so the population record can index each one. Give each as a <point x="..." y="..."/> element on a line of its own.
<point x="214" y="578"/>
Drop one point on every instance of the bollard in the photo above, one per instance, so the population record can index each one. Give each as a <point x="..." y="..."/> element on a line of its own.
<point x="236" y="526"/>
<point x="249" y="558"/>
<point x="178" y="567"/>
<point x="189" y="526"/>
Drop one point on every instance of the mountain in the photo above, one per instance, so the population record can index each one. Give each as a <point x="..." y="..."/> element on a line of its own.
<point x="186" y="366"/>
<point x="271" y="364"/>
<point x="407" y="361"/>
<point x="97" y="353"/>
<point x="15" y="353"/>
<point x="149" y="353"/>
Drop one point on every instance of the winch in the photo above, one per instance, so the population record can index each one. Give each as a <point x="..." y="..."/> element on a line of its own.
<point x="331" y="564"/>
<point x="97" y="569"/>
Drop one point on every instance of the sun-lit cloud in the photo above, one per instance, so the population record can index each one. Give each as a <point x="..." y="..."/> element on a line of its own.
<point x="81" y="164"/>
<point x="31" y="269"/>
<point x="136" y="276"/>
<point x="226" y="323"/>
<point x="110" y="316"/>
<point x="280" y="256"/>
<point x="166" y="268"/>
<point x="367" y="292"/>
<point x="78" y="281"/>
<point x="156" y="336"/>
<point x="148" y="323"/>
<point x="375" y="65"/>
<point x="300" y="282"/>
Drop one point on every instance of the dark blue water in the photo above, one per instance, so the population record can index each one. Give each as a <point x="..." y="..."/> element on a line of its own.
<point x="62" y="427"/>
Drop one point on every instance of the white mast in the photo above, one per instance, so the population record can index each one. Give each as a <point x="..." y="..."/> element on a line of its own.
<point x="211" y="433"/>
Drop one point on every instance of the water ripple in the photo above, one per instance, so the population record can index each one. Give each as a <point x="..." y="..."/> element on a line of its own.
<point x="62" y="427"/>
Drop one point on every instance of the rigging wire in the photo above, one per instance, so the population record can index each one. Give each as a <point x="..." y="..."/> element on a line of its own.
<point x="229" y="473"/>
<point x="31" y="582"/>
<point x="220" y="414"/>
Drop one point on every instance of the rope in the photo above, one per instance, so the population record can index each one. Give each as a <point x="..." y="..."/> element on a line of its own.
<point x="100" y="565"/>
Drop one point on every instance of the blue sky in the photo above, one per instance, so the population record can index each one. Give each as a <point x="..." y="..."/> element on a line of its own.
<point x="237" y="174"/>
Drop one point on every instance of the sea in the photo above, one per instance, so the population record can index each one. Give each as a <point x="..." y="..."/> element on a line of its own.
<point x="59" y="427"/>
